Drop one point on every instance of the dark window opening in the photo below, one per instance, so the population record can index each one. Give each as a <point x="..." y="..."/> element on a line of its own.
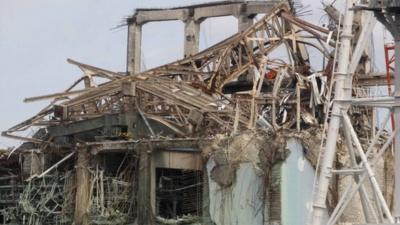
<point x="178" y="192"/>
<point x="115" y="163"/>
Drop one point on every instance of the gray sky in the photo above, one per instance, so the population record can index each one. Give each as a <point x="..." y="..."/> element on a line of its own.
<point x="36" y="38"/>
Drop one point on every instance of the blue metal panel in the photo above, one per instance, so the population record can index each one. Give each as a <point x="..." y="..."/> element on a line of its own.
<point x="297" y="181"/>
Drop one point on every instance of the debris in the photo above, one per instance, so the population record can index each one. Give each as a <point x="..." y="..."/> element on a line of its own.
<point x="198" y="141"/>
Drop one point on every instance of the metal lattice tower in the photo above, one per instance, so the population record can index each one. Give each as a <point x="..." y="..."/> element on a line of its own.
<point x="387" y="12"/>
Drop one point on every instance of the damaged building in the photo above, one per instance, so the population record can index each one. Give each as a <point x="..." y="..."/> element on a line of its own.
<point x="228" y="135"/>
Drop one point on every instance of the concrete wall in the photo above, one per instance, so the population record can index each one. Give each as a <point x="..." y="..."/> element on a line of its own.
<point x="297" y="179"/>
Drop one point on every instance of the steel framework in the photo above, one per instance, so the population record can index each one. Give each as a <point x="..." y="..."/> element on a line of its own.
<point x="380" y="213"/>
<point x="191" y="97"/>
<point x="389" y="63"/>
<point x="176" y="93"/>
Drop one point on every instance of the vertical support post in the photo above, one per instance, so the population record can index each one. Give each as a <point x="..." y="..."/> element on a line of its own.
<point x="397" y="122"/>
<point x="343" y="90"/>
<point x="144" y="209"/>
<point x="298" y="107"/>
<point x="13" y="184"/>
<point x="206" y="218"/>
<point x="192" y="36"/>
<point x="82" y="187"/>
<point x="153" y="186"/>
<point x="392" y="23"/>
<point x="244" y="22"/>
<point x="134" y="47"/>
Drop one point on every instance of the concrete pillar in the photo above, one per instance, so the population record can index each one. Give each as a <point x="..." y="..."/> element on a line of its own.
<point x="192" y="36"/>
<point x="134" y="48"/>
<point x="206" y="218"/>
<point x="244" y="21"/>
<point x="82" y="187"/>
<point x="144" y="206"/>
<point x="153" y="185"/>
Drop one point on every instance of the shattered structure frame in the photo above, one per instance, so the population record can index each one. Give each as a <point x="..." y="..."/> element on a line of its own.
<point x="119" y="151"/>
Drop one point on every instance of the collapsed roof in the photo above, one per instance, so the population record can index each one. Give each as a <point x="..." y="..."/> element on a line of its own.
<point x="226" y="87"/>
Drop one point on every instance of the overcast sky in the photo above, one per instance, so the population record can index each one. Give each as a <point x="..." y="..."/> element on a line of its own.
<point x="36" y="38"/>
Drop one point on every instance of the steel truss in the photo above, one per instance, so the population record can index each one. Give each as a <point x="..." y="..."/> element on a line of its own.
<point x="363" y="169"/>
<point x="186" y="95"/>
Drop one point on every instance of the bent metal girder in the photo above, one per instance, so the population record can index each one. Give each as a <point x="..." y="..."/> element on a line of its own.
<point x="170" y="93"/>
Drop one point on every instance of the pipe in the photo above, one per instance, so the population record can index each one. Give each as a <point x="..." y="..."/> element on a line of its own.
<point x="343" y="88"/>
<point x="51" y="168"/>
<point x="397" y="123"/>
<point x="367" y="165"/>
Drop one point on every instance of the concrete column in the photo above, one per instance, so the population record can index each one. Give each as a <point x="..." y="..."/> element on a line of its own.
<point x="153" y="184"/>
<point x="82" y="187"/>
<point x="206" y="218"/>
<point x="134" y="48"/>
<point x="394" y="28"/>
<point x="192" y="36"/>
<point x="144" y="206"/>
<point x="244" y="21"/>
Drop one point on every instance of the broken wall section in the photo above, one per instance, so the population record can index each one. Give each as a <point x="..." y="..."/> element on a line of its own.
<point x="239" y="169"/>
<point x="259" y="178"/>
